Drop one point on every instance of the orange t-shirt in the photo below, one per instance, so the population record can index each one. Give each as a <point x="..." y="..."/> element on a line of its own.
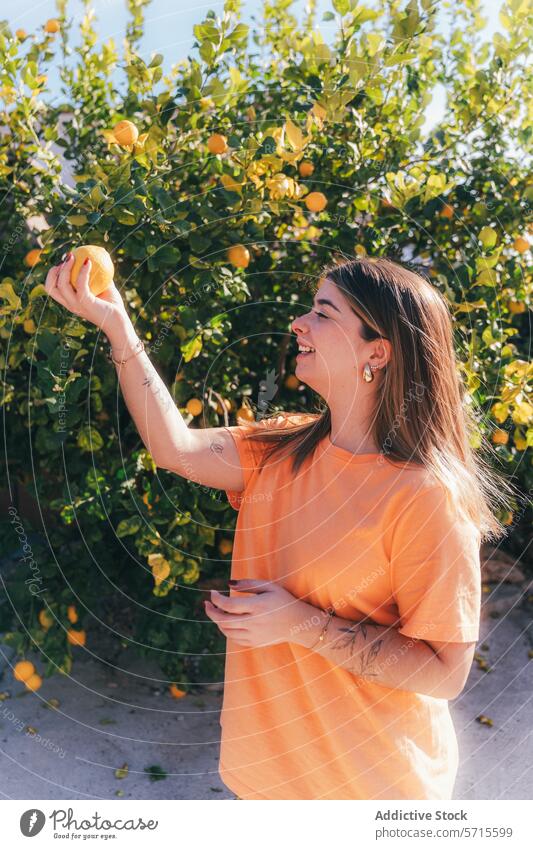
<point x="372" y="540"/>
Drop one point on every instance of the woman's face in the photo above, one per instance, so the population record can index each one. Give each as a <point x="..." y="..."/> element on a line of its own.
<point x="334" y="331"/>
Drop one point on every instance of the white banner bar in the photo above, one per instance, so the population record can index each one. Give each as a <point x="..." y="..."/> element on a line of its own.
<point x="226" y="825"/>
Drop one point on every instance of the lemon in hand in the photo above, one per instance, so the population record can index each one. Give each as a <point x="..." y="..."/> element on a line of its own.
<point x="102" y="269"/>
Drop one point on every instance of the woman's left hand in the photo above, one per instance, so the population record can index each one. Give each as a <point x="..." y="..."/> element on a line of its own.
<point x="270" y="616"/>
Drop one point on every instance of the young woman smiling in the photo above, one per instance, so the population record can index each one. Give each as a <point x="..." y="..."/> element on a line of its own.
<point x="354" y="610"/>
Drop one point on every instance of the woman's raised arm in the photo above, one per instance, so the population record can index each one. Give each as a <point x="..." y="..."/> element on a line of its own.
<point x="207" y="456"/>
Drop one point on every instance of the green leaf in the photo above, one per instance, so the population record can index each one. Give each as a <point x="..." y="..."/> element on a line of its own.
<point x="488" y="237"/>
<point x="341" y="6"/>
<point x="47" y="341"/>
<point x="192" y="348"/>
<point x="156" y="773"/>
<point x="89" y="439"/>
<point x="128" y="526"/>
<point x="7" y="293"/>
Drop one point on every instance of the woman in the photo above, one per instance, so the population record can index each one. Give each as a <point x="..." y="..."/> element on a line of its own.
<point x="356" y="577"/>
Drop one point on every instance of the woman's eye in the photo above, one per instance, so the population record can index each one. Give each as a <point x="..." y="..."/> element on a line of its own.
<point x="320" y="315"/>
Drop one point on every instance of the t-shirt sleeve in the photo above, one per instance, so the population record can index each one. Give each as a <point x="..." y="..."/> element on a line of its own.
<point x="250" y="456"/>
<point x="252" y="451"/>
<point x="435" y="569"/>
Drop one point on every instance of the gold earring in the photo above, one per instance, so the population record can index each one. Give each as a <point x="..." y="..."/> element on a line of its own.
<point x="367" y="372"/>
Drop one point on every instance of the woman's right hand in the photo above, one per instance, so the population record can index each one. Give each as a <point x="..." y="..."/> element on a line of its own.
<point x="103" y="310"/>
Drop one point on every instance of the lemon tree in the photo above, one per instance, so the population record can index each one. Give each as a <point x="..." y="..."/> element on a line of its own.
<point x="219" y="188"/>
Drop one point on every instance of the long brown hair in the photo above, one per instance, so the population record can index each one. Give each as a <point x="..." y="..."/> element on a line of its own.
<point x="422" y="414"/>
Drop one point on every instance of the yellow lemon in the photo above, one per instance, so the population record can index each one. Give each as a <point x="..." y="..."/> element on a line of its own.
<point x="33" y="257"/>
<point x="292" y="382"/>
<point x="225" y="546"/>
<point x="306" y="168"/>
<point x="245" y="414"/>
<point x="126" y="133"/>
<point x="102" y="268"/>
<point x="316" y="202"/>
<point x="175" y="691"/>
<point x="45" y="619"/>
<point x="76" y="638"/>
<point x="239" y="256"/>
<point x="217" y="143"/>
<point x="33" y="682"/>
<point x="500" y="437"/>
<point x="23" y="670"/>
<point x="194" y="406"/>
<point x="516" y="306"/>
<point x="227" y="405"/>
<point x="52" y="26"/>
<point x="520" y="244"/>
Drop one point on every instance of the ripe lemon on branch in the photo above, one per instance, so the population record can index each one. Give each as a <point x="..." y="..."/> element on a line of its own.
<point x="125" y="132"/>
<point x="33" y="257"/>
<point x="102" y="268"/>
<point x="217" y="143"/>
<point x="194" y="406"/>
<point x="316" y="201"/>
<point x="306" y="168"/>
<point x="52" y="26"/>
<point x="239" y="256"/>
<point x="76" y="638"/>
<point x="521" y="245"/>
<point x="23" y="670"/>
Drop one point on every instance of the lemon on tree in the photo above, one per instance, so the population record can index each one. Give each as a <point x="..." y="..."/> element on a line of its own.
<point x="33" y="682"/>
<point x="72" y="614"/>
<point x="33" y="257"/>
<point x="225" y="546"/>
<point x="500" y="436"/>
<point x="45" y="620"/>
<point x="217" y="143"/>
<point x="521" y="245"/>
<point x="239" y="256"/>
<point x="194" y="406"/>
<point x="52" y="26"/>
<point x="306" y="168"/>
<point x="227" y="405"/>
<point x="76" y="638"/>
<point x="245" y="414"/>
<point x="316" y="201"/>
<point x="102" y="268"/>
<point x="23" y="670"/>
<point x="125" y="133"/>
<point x="292" y="382"/>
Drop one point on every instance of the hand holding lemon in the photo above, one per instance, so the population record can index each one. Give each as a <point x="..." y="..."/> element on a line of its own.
<point x="83" y="284"/>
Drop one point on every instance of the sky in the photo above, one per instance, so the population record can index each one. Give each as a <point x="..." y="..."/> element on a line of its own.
<point x="169" y="26"/>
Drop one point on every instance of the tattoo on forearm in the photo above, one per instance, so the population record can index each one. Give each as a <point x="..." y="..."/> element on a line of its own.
<point x="148" y="380"/>
<point x="366" y="658"/>
<point x="216" y="447"/>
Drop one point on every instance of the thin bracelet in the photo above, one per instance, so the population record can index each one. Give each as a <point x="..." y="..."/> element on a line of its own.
<point x="331" y="612"/>
<point x="139" y="345"/>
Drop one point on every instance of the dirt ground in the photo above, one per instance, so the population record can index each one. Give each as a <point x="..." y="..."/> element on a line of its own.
<point x="108" y="718"/>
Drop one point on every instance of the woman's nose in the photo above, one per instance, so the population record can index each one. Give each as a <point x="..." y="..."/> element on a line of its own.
<point x="299" y="323"/>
